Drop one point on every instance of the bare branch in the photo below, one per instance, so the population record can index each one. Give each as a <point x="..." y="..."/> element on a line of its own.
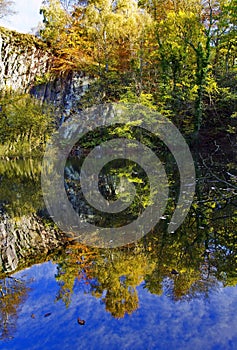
<point x="6" y="8"/>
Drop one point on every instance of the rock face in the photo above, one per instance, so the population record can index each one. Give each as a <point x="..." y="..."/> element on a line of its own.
<point x="23" y="58"/>
<point x="26" y="65"/>
<point x="23" y="239"/>
<point x="64" y="92"/>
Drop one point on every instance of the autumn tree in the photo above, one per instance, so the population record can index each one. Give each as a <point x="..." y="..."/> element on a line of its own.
<point x="105" y="38"/>
<point x="186" y="33"/>
<point x="55" y="20"/>
<point x="177" y="52"/>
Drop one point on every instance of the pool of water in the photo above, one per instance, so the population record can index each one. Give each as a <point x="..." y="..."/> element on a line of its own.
<point x="165" y="291"/>
<point x="158" y="322"/>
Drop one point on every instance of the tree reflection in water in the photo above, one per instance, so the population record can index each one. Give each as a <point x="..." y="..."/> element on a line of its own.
<point x="188" y="264"/>
<point x="197" y="258"/>
<point x="13" y="294"/>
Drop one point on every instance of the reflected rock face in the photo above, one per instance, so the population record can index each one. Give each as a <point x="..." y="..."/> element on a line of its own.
<point x="23" y="238"/>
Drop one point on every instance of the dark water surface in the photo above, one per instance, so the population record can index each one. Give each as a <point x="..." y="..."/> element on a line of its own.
<point x="166" y="291"/>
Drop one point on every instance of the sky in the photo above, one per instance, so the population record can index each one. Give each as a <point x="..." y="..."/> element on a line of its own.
<point x="27" y="16"/>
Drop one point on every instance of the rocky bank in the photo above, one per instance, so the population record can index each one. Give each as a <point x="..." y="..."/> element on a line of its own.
<point x="26" y="65"/>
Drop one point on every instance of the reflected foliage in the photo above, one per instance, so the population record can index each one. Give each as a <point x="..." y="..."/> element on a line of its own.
<point x="13" y="292"/>
<point x="115" y="280"/>
<point x="178" y="58"/>
<point x="75" y="264"/>
<point x="201" y="256"/>
<point x="25" y="124"/>
<point x="20" y="190"/>
<point x="197" y="258"/>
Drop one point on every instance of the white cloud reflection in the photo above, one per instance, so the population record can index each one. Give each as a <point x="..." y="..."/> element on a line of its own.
<point x="159" y="323"/>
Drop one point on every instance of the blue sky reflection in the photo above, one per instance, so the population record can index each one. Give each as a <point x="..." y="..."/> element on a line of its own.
<point x="159" y="323"/>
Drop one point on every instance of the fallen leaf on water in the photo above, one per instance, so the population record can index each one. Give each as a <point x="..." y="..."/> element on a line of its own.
<point x="80" y="321"/>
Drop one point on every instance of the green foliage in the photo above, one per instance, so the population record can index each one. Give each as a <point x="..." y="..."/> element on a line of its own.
<point x="43" y="79"/>
<point x="25" y="125"/>
<point x="55" y="21"/>
<point x="167" y="55"/>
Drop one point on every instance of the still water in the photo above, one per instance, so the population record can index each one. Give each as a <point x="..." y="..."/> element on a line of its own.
<point x="166" y="291"/>
<point x="158" y="322"/>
